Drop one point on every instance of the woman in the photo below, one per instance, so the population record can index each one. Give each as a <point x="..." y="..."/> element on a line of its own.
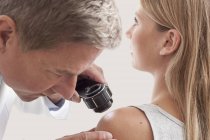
<point x="171" y="40"/>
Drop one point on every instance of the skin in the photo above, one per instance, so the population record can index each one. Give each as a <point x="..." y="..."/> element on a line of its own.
<point x="52" y="73"/>
<point x="89" y="135"/>
<point x="43" y="72"/>
<point x="151" y="51"/>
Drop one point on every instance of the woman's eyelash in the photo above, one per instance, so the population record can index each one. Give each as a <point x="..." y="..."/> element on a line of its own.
<point x="135" y="20"/>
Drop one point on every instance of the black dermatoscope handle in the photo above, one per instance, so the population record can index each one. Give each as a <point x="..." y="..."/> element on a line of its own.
<point x="96" y="96"/>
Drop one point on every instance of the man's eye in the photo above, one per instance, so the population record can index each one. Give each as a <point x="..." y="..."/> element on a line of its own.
<point x="57" y="75"/>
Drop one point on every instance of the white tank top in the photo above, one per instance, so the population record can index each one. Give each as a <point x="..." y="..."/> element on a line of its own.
<point x="164" y="126"/>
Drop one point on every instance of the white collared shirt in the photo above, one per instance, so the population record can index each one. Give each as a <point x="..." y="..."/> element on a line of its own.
<point x="39" y="106"/>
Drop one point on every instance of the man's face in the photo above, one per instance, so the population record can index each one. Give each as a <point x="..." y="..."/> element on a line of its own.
<point x="45" y="72"/>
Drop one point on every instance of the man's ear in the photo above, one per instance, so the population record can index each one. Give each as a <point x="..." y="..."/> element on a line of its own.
<point x="7" y="28"/>
<point x="171" y="42"/>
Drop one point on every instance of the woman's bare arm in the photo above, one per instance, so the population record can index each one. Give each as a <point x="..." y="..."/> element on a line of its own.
<point x="127" y="124"/>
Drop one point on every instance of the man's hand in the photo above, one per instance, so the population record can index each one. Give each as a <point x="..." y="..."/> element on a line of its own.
<point x="94" y="72"/>
<point x="89" y="135"/>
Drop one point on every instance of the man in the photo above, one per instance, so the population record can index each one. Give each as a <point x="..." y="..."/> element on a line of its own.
<point x="46" y="44"/>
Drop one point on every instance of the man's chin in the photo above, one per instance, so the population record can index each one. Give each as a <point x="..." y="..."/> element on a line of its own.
<point x="28" y="99"/>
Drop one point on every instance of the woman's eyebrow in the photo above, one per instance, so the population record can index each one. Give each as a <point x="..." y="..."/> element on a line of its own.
<point x="138" y="16"/>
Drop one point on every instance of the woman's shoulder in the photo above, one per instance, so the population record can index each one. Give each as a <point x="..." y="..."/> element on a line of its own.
<point x="128" y="123"/>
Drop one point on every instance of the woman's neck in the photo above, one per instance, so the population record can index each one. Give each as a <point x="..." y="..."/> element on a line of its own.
<point x="162" y="97"/>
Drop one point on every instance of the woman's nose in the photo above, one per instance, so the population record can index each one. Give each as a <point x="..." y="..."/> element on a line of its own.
<point x="66" y="87"/>
<point x="129" y="33"/>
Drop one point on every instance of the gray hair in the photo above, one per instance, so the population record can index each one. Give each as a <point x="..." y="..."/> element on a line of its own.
<point x="42" y="24"/>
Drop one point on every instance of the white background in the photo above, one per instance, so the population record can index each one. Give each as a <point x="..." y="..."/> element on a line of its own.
<point x="129" y="87"/>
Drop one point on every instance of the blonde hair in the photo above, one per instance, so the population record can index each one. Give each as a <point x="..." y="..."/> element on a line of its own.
<point x="188" y="73"/>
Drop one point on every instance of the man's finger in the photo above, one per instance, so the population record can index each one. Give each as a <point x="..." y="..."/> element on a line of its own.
<point x="95" y="73"/>
<point x="91" y="130"/>
<point x="75" y="98"/>
<point x="96" y="135"/>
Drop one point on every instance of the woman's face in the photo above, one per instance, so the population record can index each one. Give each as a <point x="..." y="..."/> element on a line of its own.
<point x="146" y="42"/>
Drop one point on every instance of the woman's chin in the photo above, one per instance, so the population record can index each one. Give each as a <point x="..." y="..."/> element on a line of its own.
<point x="137" y="67"/>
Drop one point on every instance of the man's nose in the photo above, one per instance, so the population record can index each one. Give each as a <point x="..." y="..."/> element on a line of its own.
<point x="66" y="86"/>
